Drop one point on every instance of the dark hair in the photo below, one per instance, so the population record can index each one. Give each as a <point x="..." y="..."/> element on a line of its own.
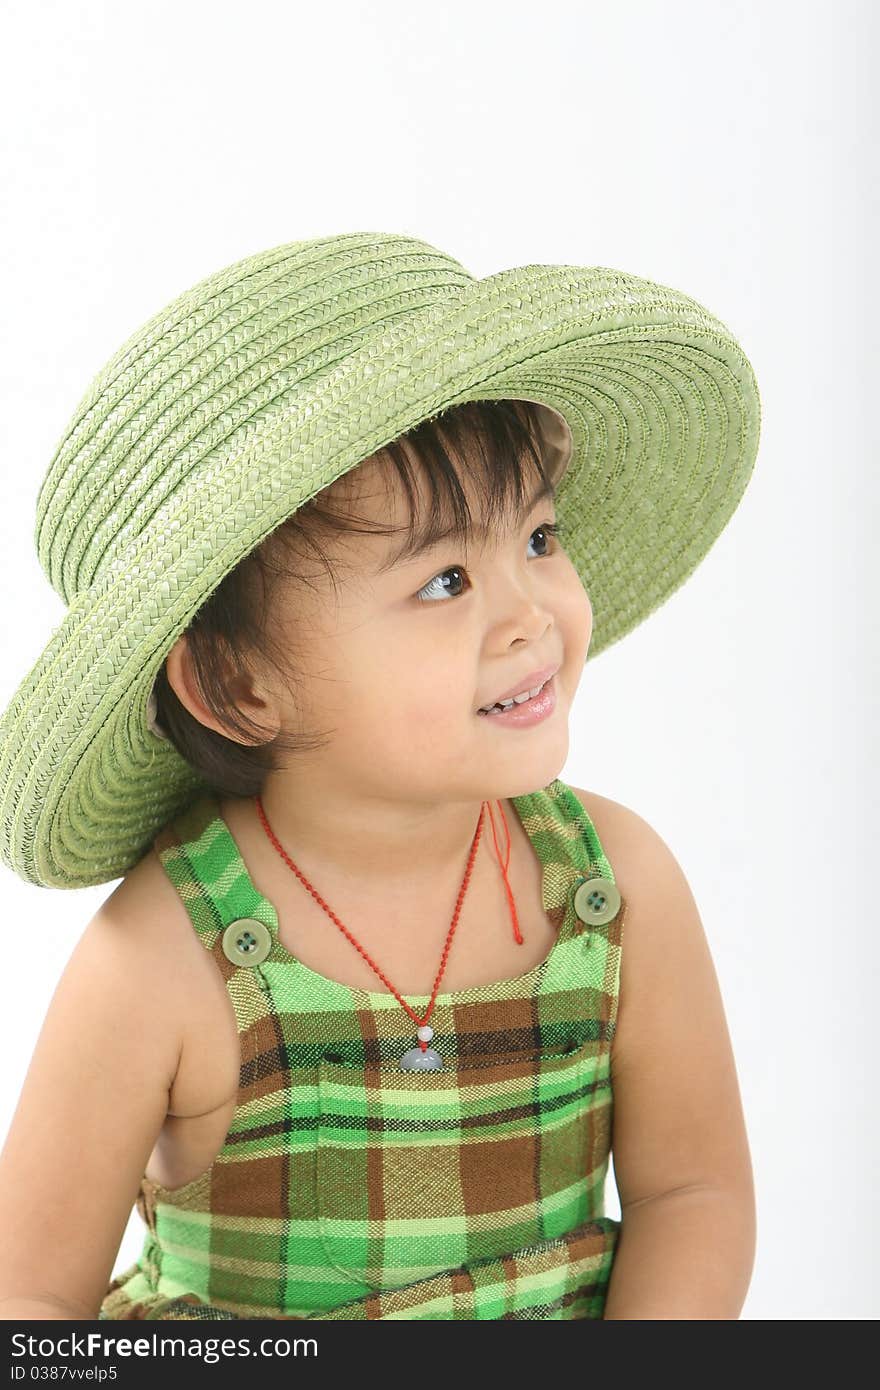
<point x="231" y="632"/>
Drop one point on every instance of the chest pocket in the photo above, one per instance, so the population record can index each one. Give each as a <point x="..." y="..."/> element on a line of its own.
<point x="421" y="1172"/>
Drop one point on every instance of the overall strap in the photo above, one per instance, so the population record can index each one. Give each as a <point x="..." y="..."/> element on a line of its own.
<point x="232" y="919"/>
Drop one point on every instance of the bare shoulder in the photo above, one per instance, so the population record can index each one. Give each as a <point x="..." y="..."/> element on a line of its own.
<point x="661" y="914"/>
<point x="642" y="861"/>
<point x="147" y="908"/>
<point x="139" y="919"/>
<point x="678" y="1120"/>
<point x="181" y="973"/>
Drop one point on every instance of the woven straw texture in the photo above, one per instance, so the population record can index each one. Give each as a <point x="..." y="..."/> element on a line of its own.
<point x="347" y="1188"/>
<point x="263" y="384"/>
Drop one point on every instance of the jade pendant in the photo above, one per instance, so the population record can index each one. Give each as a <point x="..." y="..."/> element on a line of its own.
<point x="417" y="1060"/>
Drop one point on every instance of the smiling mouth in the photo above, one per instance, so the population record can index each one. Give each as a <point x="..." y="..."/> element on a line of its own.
<point x="512" y="704"/>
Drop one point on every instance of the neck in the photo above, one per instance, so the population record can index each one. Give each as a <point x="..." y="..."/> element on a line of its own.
<point x="376" y="843"/>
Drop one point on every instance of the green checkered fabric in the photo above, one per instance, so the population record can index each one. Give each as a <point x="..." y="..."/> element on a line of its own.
<point x="347" y="1188"/>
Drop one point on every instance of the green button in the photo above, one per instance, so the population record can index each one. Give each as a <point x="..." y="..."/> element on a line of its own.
<point x="247" y="941"/>
<point x="597" y="901"/>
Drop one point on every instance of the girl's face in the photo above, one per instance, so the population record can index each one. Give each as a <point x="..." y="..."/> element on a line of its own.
<point x="396" y="661"/>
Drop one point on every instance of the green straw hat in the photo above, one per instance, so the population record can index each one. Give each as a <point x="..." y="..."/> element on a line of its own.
<point x="264" y="383"/>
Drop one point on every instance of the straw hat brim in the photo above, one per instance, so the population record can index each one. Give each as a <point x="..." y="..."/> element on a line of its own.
<point x="664" y="417"/>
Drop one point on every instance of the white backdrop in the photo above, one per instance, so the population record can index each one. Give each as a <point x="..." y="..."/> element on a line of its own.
<point x="724" y="149"/>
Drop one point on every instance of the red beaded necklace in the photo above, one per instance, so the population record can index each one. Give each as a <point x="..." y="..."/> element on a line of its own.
<point x="421" y="1057"/>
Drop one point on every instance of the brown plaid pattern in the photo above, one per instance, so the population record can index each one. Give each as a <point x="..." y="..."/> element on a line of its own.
<point x="348" y="1189"/>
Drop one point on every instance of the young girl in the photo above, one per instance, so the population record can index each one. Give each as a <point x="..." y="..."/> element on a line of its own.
<point x="338" y="530"/>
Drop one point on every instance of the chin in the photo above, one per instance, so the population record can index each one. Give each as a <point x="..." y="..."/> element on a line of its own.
<point x="529" y="775"/>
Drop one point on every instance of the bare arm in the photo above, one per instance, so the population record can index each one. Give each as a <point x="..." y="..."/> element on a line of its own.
<point x="681" y="1157"/>
<point x="686" y="1255"/>
<point x="91" y="1107"/>
<point x="43" y="1310"/>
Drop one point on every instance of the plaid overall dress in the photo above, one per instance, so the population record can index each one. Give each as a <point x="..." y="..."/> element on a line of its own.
<point x="347" y="1188"/>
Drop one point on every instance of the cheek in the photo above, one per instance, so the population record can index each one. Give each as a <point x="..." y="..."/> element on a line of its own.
<point x="587" y="610"/>
<point x="575" y="607"/>
<point x="407" y="689"/>
<point x="574" y="615"/>
<point x="421" y="713"/>
<point x="431" y="704"/>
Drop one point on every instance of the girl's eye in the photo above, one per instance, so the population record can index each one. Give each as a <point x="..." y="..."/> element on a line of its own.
<point x="437" y="586"/>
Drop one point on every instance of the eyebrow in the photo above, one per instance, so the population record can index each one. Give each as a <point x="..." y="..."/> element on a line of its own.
<point x="415" y="545"/>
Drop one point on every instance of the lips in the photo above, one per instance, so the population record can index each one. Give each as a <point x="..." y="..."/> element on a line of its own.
<point x="525" y="714"/>
<point x="528" y="682"/>
<point x="497" y="708"/>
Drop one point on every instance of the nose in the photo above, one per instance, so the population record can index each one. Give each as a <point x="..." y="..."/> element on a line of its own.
<point x="524" y="619"/>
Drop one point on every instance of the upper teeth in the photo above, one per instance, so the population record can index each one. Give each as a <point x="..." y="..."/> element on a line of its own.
<point x="517" y="699"/>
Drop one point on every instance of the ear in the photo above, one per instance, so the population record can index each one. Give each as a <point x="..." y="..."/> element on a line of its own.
<point x="252" y="702"/>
